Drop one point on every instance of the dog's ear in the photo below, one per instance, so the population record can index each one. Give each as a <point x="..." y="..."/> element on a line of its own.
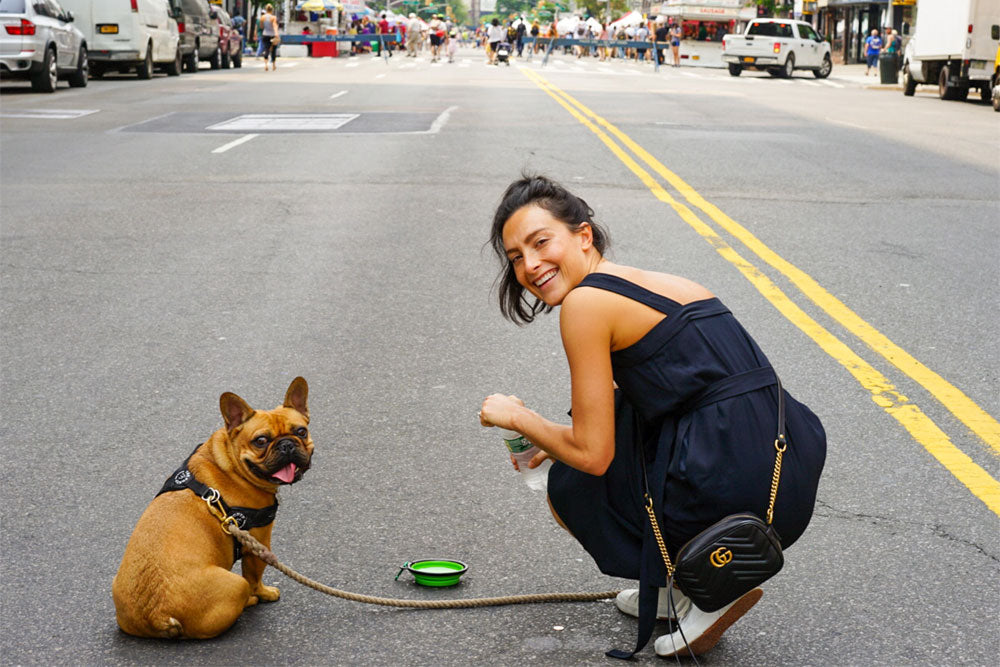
<point x="235" y="410"/>
<point x="296" y="395"/>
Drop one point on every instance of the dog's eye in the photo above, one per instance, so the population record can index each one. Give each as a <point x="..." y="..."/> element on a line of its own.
<point x="301" y="432"/>
<point x="260" y="441"/>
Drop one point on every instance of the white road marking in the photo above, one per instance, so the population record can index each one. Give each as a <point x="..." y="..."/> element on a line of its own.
<point x="830" y="83"/>
<point x="440" y="120"/>
<point x="354" y="64"/>
<point x="844" y="122"/>
<point x="808" y="83"/>
<point x="289" y="122"/>
<point x="336" y="95"/>
<point x="379" y="76"/>
<point x="53" y="114"/>
<point x="234" y="144"/>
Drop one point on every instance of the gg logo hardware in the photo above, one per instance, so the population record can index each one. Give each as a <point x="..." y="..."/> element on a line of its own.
<point x="721" y="557"/>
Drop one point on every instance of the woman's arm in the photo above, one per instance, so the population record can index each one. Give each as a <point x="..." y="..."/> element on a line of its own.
<point x="589" y="444"/>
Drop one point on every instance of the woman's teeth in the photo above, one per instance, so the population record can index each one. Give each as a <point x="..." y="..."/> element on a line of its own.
<point x="545" y="278"/>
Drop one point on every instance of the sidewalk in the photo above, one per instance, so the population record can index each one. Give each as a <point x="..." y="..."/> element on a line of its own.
<point x="855" y="73"/>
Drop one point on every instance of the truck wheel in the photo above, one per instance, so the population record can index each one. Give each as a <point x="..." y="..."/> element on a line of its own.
<point x="238" y="59"/>
<point x="946" y="92"/>
<point x="734" y="70"/>
<point x="216" y="60"/>
<point x="789" y="68"/>
<point x="996" y="96"/>
<point x="985" y="92"/>
<point x="909" y="83"/>
<point x="824" y="69"/>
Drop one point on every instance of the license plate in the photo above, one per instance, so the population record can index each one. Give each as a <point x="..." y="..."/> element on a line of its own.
<point x="748" y="59"/>
<point x="111" y="29"/>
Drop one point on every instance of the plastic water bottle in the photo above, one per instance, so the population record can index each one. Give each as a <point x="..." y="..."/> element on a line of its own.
<point x="523" y="451"/>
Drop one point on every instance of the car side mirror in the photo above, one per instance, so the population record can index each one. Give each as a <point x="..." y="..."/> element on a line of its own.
<point x="69" y="16"/>
<point x="176" y="13"/>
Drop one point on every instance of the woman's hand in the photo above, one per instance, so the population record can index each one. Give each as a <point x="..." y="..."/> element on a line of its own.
<point x="498" y="410"/>
<point x="535" y="461"/>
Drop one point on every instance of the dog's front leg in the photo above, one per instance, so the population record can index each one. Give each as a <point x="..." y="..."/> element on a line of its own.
<point x="253" y="571"/>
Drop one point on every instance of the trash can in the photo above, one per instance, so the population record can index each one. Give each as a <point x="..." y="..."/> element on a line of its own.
<point x="888" y="68"/>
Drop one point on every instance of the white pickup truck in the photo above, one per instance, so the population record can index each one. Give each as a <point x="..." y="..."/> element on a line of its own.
<point x="779" y="46"/>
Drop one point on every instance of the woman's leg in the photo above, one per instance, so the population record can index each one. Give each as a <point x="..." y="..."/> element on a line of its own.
<point x="556" y="516"/>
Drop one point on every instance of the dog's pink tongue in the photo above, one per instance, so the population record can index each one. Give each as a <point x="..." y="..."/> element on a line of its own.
<point x="286" y="474"/>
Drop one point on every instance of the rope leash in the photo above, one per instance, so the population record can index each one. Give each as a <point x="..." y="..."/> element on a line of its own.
<point x="252" y="545"/>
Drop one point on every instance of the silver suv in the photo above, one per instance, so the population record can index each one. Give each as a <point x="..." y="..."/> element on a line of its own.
<point x="38" y="41"/>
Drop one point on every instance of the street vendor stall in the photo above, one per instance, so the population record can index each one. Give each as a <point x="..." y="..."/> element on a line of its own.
<point x="704" y="22"/>
<point x="316" y="18"/>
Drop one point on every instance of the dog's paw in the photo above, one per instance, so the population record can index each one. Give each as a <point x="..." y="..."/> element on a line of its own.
<point x="267" y="593"/>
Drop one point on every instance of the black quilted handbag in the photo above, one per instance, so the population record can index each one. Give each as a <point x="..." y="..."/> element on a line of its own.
<point x="733" y="556"/>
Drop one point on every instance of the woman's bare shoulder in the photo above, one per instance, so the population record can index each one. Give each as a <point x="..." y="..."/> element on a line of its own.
<point x="676" y="288"/>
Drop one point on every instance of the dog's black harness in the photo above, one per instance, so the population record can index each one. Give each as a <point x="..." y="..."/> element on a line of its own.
<point x="245" y="517"/>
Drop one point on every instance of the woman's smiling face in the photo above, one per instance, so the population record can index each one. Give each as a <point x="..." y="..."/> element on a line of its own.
<point x="549" y="258"/>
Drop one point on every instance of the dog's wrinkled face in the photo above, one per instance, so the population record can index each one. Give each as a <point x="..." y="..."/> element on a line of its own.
<point x="273" y="446"/>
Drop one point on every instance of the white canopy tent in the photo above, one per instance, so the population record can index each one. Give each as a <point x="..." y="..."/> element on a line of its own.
<point x="630" y="19"/>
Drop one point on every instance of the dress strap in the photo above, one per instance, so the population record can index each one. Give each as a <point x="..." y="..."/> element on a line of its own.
<point x="628" y="289"/>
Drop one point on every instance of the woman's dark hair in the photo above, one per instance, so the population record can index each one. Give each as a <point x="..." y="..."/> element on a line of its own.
<point x="495" y="22"/>
<point x="565" y="207"/>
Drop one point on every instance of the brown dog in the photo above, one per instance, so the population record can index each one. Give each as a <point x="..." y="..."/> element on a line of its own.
<point x="175" y="578"/>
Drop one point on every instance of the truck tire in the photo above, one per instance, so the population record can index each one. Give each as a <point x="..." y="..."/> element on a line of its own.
<point x="216" y="59"/>
<point x="734" y="69"/>
<point x="909" y="83"/>
<point x="789" y="67"/>
<point x="985" y="92"/>
<point x="996" y="94"/>
<point x="946" y="92"/>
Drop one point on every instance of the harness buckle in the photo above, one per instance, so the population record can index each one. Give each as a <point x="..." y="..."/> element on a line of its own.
<point x="214" y="501"/>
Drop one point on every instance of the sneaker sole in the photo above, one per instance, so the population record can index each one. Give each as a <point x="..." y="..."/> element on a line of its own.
<point x="707" y="641"/>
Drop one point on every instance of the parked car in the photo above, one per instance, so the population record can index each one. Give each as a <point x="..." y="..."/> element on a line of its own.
<point x="140" y="35"/>
<point x="230" y="39"/>
<point x="39" y="42"/>
<point x="199" y="33"/>
<point x="779" y="46"/>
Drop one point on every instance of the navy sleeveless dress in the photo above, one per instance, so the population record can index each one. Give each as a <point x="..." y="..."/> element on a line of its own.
<point x="701" y="398"/>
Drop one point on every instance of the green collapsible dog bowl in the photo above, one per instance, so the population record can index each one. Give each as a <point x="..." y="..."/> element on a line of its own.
<point x="435" y="571"/>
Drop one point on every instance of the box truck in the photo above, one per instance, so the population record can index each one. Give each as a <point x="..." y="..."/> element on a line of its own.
<point x="954" y="46"/>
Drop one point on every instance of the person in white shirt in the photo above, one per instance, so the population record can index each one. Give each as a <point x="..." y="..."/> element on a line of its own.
<point x="494" y="36"/>
<point x="414" y="34"/>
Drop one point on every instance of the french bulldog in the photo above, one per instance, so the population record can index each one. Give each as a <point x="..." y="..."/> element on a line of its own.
<point x="175" y="579"/>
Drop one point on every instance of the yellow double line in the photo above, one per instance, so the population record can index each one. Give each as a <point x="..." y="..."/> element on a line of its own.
<point x="883" y="393"/>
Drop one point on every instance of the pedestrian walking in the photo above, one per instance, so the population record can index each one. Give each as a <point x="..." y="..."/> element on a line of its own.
<point x="672" y="401"/>
<point x="522" y="29"/>
<point x="437" y="31"/>
<point x="535" y="33"/>
<point x="269" y="35"/>
<point x="873" y="46"/>
<point x="494" y="35"/>
<point x="383" y="29"/>
<point x="661" y="38"/>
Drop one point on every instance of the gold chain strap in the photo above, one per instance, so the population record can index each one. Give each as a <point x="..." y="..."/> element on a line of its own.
<point x="659" y="537"/>
<point x="780" y="445"/>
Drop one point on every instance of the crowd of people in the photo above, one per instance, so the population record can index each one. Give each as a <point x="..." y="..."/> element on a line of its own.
<point x="441" y="37"/>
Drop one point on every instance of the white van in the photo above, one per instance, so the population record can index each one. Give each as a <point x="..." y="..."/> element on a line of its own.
<point x="128" y="34"/>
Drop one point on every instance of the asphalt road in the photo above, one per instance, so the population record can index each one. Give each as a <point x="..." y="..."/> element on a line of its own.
<point x="149" y="263"/>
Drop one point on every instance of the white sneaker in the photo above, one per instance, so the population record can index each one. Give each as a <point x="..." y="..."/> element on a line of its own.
<point x="628" y="603"/>
<point x="703" y="629"/>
